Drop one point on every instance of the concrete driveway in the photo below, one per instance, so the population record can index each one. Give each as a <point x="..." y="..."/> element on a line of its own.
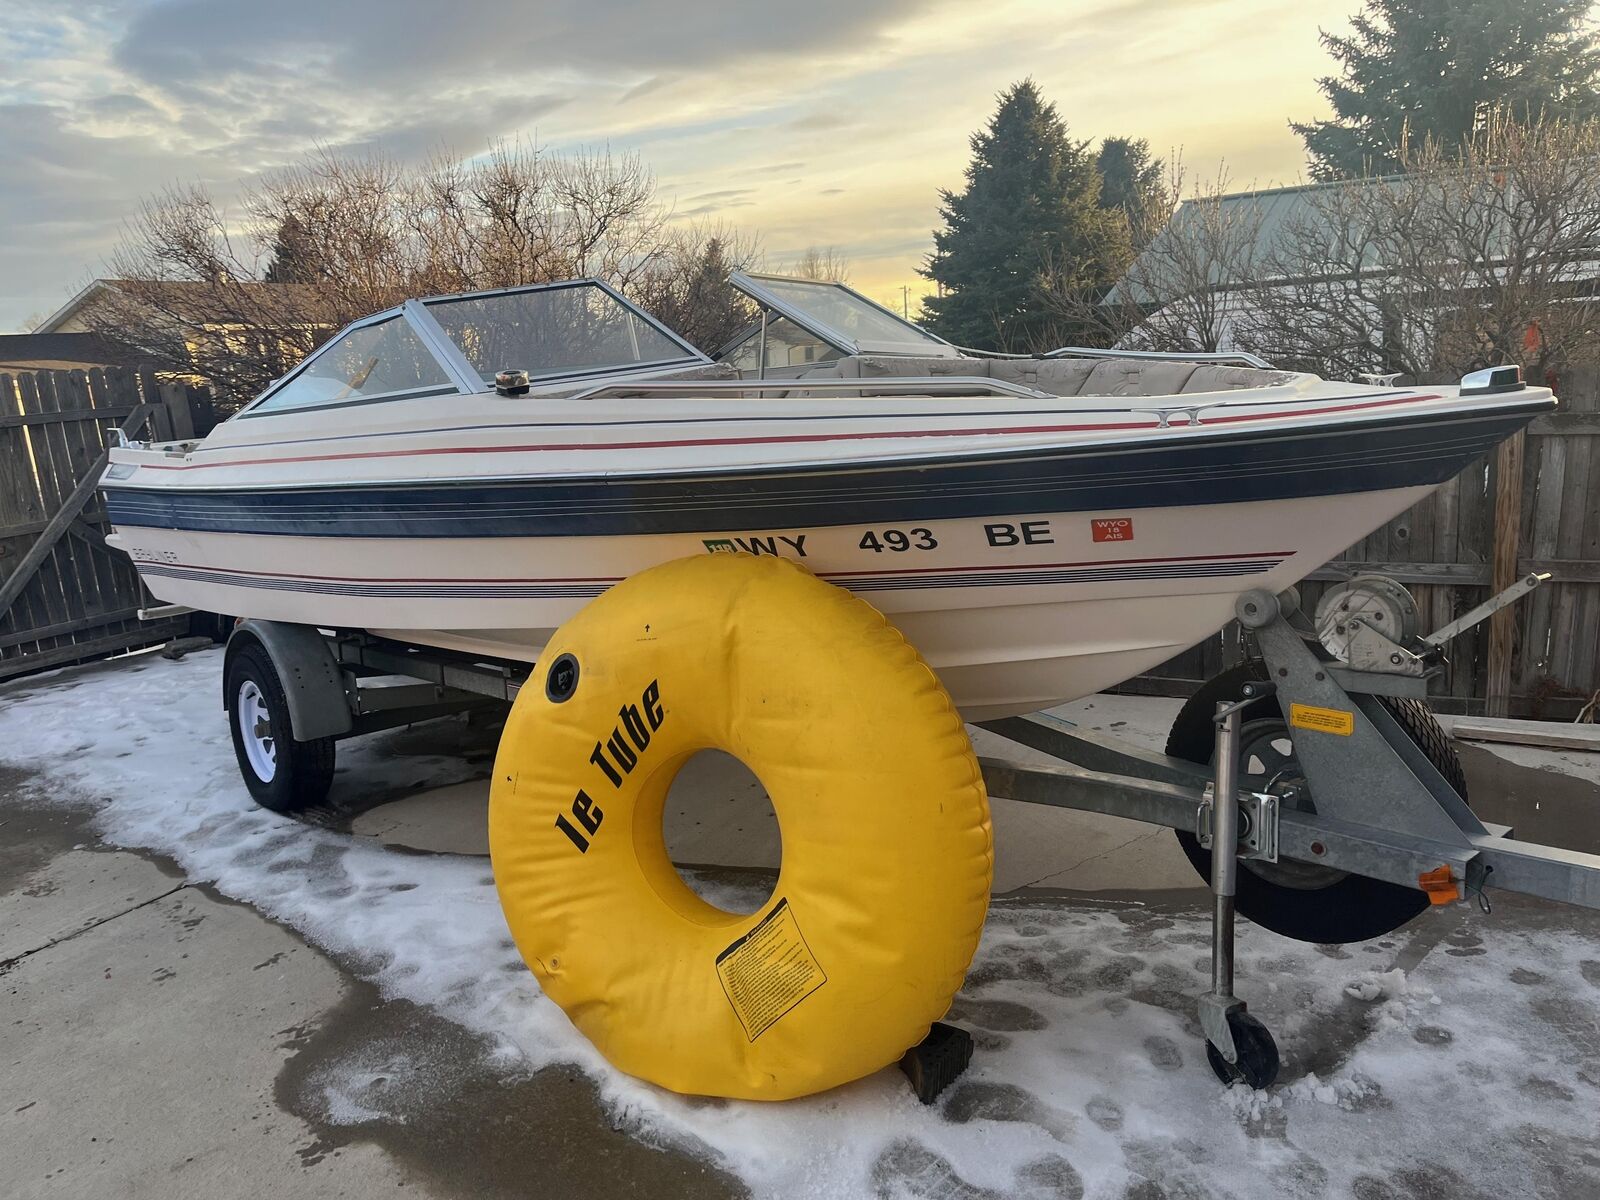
<point x="361" y="1027"/>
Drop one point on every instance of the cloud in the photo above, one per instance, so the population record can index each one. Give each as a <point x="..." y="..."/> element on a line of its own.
<point x="644" y="88"/>
<point x="393" y="45"/>
<point x="866" y="103"/>
<point x="722" y="194"/>
<point x="64" y="195"/>
<point x="782" y="168"/>
<point x="822" y="122"/>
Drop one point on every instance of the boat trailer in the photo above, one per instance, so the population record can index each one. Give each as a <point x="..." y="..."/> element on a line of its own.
<point x="1358" y="796"/>
<point x="1381" y="810"/>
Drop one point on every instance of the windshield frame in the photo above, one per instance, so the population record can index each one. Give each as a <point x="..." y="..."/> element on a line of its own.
<point x="689" y="357"/>
<point x="254" y="408"/>
<point x="919" y="344"/>
<point x="464" y="378"/>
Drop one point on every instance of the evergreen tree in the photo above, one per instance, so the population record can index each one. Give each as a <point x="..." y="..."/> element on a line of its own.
<point x="1131" y="181"/>
<point x="294" y="258"/>
<point x="1028" y="223"/>
<point x="686" y="288"/>
<point x="1433" y="68"/>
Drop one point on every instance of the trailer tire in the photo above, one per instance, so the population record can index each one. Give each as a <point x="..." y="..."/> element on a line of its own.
<point x="886" y="847"/>
<point x="1350" y="908"/>
<point x="282" y="773"/>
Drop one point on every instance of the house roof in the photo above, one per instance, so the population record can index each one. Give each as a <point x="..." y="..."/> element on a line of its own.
<point x="57" y="352"/>
<point x="195" y="300"/>
<point x="1276" y="209"/>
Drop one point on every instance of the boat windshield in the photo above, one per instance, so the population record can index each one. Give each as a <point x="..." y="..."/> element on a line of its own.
<point x="841" y="316"/>
<point x="566" y="329"/>
<point x="381" y="358"/>
<point x="457" y="344"/>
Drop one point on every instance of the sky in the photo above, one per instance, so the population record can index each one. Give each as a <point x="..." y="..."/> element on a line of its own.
<point x="828" y="123"/>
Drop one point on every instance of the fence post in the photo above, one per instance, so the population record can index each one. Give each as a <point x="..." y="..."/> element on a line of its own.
<point x="175" y="398"/>
<point x="1503" y="572"/>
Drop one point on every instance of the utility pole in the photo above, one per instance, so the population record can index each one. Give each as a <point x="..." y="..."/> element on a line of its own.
<point x="905" y="301"/>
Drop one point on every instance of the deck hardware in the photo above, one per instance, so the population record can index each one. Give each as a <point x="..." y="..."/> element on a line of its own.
<point x="890" y="385"/>
<point x="1213" y="358"/>
<point x="511" y="383"/>
<point x="1492" y="381"/>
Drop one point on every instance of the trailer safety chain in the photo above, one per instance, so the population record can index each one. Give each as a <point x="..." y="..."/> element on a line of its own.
<point x="1481" y="889"/>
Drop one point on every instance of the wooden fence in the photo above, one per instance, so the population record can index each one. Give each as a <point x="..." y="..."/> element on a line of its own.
<point x="66" y="596"/>
<point x="1533" y="506"/>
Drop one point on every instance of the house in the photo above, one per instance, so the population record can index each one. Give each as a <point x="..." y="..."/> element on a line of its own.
<point x="179" y="325"/>
<point x="193" y="302"/>
<point x="1202" y="282"/>
<point x="1417" y="274"/>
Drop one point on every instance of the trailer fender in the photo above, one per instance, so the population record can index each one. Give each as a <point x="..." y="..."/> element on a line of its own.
<point x="887" y="849"/>
<point x="313" y="683"/>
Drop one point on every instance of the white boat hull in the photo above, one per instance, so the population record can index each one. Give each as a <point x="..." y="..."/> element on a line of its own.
<point x="1015" y="613"/>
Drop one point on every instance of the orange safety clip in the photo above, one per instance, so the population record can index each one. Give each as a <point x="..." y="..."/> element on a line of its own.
<point x="1440" y="885"/>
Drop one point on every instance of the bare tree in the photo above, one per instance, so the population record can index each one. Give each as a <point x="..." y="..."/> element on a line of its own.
<point x="1474" y="256"/>
<point x="826" y="264"/>
<point x="1175" y="294"/>
<point x="343" y="237"/>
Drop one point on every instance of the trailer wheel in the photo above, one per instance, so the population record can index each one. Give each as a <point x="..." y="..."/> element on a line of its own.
<point x="1299" y="900"/>
<point x="283" y="774"/>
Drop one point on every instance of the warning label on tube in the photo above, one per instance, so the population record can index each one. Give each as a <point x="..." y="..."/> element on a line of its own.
<point x="768" y="971"/>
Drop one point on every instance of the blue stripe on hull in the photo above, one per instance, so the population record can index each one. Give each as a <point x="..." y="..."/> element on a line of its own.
<point x="1376" y="456"/>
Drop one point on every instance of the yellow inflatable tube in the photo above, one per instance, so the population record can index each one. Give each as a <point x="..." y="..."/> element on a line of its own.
<point x="887" y="852"/>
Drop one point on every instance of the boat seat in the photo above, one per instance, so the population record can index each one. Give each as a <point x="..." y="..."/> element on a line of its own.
<point x="1061" y="376"/>
<point x="1210" y="378"/>
<point x="1058" y="376"/>
<point x="880" y="366"/>
<point x="702" y="371"/>
<point x="718" y="370"/>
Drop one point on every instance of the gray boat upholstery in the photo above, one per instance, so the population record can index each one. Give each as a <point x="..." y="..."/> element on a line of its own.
<point x="571" y="387"/>
<point x="1061" y="376"/>
<point x="718" y="370"/>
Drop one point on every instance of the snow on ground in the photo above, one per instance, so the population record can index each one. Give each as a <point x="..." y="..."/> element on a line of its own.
<point x="1460" y="1057"/>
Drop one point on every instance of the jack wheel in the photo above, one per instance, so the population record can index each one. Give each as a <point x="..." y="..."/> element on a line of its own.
<point x="1258" y="1054"/>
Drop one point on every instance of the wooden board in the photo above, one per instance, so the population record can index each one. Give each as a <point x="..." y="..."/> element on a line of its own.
<point x="1551" y="734"/>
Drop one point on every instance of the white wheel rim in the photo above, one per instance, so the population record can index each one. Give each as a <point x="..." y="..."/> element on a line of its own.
<point x="255" y="731"/>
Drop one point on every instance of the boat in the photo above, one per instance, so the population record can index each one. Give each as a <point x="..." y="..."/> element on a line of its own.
<point x="466" y="472"/>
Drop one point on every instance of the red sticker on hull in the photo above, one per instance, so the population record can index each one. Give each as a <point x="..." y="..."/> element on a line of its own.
<point x="1112" y="529"/>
